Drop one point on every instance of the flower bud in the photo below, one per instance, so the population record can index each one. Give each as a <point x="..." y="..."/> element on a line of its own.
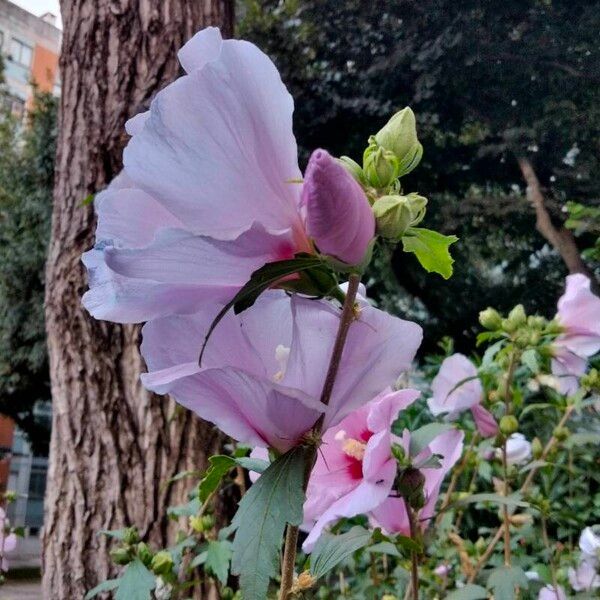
<point x="561" y="433"/>
<point x="196" y="524"/>
<point x="490" y="319"/>
<point x="353" y="168"/>
<point x="399" y="136"/>
<point x="395" y="214"/>
<point x="536" y="321"/>
<point x="517" y="317"/>
<point x="381" y="167"/>
<point x="162" y="563"/>
<point x="536" y="448"/>
<point x="144" y="553"/>
<point x="120" y="556"/>
<point x="338" y="215"/>
<point x="131" y="535"/>
<point x="208" y="522"/>
<point x="509" y="424"/>
<point x="410" y="485"/>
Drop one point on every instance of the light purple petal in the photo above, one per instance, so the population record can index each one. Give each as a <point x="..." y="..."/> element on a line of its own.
<point x="384" y="409"/>
<point x="379" y="348"/>
<point x="456" y="387"/>
<point x="217" y="150"/>
<point x="338" y="215"/>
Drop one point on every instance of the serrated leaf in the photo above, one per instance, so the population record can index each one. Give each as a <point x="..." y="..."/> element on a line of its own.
<point x="330" y="550"/>
<point x="137" y="582"/>
<point x="218" y="558"/>
<point x="468" y="592"/>
<point x="259" y="281"/>
<point x="431" y="249"/>
<point x="219" y="466"/>
<point x="504" y="581"/>
<point x="422" y="437"/>
<point x="189" y="509"/>
<point x="273" y="501"/>
<point x="106" y="586"/>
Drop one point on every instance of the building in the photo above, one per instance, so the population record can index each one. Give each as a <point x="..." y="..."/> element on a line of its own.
<point x="30" y="47"/>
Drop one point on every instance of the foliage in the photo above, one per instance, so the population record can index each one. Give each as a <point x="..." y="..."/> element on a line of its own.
<point x="26" y="182"/>
<point x="488" y="82"/>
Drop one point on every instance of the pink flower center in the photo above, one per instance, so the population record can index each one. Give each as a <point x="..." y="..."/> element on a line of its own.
<point x="354" y="449"/>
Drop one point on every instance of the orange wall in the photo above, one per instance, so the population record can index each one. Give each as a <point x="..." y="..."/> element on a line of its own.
<point x="44" y="68"/>
<point x="7" y="428"/>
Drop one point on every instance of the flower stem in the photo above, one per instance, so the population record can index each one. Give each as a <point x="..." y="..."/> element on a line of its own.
<point x="414" y="557"/>
<point x="291" y="536"/>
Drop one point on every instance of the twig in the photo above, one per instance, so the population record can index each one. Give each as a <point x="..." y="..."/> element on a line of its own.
<point x="346" y="318"/>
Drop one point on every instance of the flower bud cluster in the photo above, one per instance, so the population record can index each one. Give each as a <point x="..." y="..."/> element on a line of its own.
<point x="392" y="153"/>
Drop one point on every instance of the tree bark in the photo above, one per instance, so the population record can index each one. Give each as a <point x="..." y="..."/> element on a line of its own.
<point x="560" y="238"/>
<point x="113" y="444"/>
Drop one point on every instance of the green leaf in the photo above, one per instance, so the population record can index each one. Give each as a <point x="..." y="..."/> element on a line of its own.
<point x="218" y="557"/>
<point x="504" y="581"/>
<point x="580" y="439"/>
<point x="219" y="466"/>
<point x="512" y="500"/>
<point x="384" y="548"/>
<point x="253" y="464"/>
<point x="260" y="280"/>
<point x="117" y="534"/>
<point x="330" y="550"/>
<point x="189" y="509"/>
<point x="530" y="359"/>
<point x="468" y="592"/>
<point x="408" y="544"/>
<point x="422" y="437"/>
<point x="137" y="582"/>
<point x="274" y="500"/>
<point x="105" y="586"/>
<point x="431" y="249"/>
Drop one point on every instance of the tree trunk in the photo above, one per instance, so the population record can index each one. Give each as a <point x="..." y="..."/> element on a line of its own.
<point x="560" y="238"/>
<point x="113" y="445"/>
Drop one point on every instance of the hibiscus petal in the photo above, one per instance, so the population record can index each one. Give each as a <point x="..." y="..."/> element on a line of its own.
<point x="484" y="420"/>
<point x="384" y="409"/>
<point x="218" y="150"/>
<point x="361" y="500"/>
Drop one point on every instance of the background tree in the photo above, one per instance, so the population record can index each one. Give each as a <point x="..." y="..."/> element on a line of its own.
<point x="502" y="94"/>
<point x="26" y="182"/>
<point x="113" y="445"/>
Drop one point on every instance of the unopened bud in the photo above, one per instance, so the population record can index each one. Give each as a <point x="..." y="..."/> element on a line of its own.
<point x="561" y="433"/>
<point x="227" y="593"/>
<point x="144" y="553"/>
<point x="162" y="563"/>
<point x="196" y="524"/>
<point x="208" y="522"/>
<point x="490" y="319"/>
<point x="131" y="535"/>
<point x="536" y="321"/>
<point x="303" y="582"/>
<point x="381" y="167"/>
<point x="399" y="136"/>
<point x="410" y="483"/>
<point x="509" y="425"/>
<point x="395" y="214"/>
<point x="353" y="168"/>
<point x="536" y="448"/>
<point x="517" y="316"/>
<point x="120" y="556"/>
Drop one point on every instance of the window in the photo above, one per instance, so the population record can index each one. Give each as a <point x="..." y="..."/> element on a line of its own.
<point x="20" y="53"/>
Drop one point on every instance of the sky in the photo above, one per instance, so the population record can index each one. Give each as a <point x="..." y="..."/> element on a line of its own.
<point x="39" y="7"/>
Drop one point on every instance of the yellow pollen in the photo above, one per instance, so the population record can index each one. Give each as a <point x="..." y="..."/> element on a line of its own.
<point x="354" y="448"/>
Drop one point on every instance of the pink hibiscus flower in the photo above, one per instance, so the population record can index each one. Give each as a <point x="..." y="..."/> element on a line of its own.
<point x="210" y="191"/>
<point x="263" y="370"/>
<point x="457" y="388"/>
<point x="355" y="469"/>
<point x="579" y="316"/>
